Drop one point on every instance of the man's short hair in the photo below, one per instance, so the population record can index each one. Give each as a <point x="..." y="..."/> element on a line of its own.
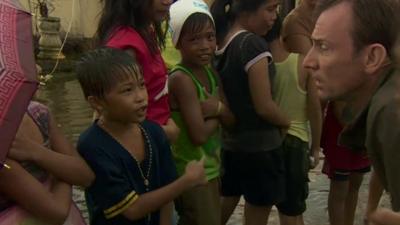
<point x="374" y="21"/>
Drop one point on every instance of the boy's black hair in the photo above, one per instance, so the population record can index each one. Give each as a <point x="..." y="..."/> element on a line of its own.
<point x="101" y="69"/>
<point x="195" y="23"/>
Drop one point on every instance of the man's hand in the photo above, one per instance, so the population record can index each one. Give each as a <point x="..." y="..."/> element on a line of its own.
<point x="314" y="157"/>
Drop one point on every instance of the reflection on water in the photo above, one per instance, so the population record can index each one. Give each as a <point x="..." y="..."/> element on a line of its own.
<point x="64" y="97"/>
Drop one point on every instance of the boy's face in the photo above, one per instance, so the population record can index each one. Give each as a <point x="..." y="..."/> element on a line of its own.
<point x="198" y="48"/>
<point x="126" y="102"/>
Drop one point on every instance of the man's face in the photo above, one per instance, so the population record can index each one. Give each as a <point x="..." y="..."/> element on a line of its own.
<point x="332" y="60"/>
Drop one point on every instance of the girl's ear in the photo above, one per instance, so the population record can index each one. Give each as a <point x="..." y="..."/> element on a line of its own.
<point x="96" y="103"/>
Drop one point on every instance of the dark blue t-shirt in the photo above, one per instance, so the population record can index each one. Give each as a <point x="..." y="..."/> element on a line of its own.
<point x="118" y="180"/>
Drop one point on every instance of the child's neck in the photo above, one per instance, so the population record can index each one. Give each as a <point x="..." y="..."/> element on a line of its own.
<point x="117" y="128"/>
<point x="192" y="66"/>
<point x="199" y="72"/>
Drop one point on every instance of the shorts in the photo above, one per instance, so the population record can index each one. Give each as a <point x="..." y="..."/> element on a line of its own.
<point x="341" y="174"/>
<point x="297" y="165"/>
<point x="258" y="176"/>
<point x="200" y="205"/>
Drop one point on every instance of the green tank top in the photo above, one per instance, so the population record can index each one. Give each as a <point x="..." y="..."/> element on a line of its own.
<point x="290" y="97"/>
<point x="183" y="149"/>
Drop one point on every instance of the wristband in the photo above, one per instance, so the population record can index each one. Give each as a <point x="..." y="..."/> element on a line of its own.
<point x="219" y="108"/>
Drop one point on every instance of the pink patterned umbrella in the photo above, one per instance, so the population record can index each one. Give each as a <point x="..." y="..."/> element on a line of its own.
<point x="18" y="80"/>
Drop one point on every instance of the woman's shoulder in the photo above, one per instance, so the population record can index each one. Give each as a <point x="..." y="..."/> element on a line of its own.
<point x="125" y="37"/>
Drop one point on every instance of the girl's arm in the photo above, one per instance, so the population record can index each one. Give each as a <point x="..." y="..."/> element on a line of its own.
<point x="63" y="162"/>
<point x="154" y="200"/>
<point x="314" y="113"/>
<point x="50" y="206"/>
<point x="225" y="116"/>
<point x="260" y="89"/>
<point x="184" y="92"/>
<point x="171" y="130"/>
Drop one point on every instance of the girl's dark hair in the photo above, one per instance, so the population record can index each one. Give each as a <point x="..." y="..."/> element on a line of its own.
<point x="195" y="23"/>
<point x="101" y="69"/>
<point x="225" y="12"/>
<point x="275" y="31"/>
<point x="132" y="13"/>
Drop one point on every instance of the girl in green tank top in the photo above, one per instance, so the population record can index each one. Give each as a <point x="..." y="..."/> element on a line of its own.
<point x="185" y="149"/>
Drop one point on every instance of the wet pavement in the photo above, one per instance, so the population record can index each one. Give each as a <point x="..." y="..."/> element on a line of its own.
<point x="63" y="96"/>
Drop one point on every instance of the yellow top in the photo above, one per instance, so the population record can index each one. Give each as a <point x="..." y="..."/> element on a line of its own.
<point x="290" y="97"/>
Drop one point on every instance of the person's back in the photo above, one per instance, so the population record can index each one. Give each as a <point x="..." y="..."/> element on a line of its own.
<point x="298" y="26"/>
<point x="291" y="96"/>
<point x="251" y="155"/>
<point x="251" y="131"/>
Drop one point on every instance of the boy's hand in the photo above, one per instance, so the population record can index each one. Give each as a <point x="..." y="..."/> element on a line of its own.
<point x="195" y="173"/>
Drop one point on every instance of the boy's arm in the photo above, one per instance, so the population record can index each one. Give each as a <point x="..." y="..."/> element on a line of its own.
<point x="62" y="161"/>
<point x="154" y="200"/>
<point x="314" y="113"/>
<point x="184" y="92"/>
<point x="52" y="207"/>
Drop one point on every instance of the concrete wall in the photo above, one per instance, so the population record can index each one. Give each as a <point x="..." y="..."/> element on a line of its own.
<point x="82" y="13"/>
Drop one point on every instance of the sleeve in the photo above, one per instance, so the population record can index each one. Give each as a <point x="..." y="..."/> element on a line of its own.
<point x="167" y="164"/>
<point x="111" y="191"/>
<point x="253" y="48"/>
<point x="388" y="135"/>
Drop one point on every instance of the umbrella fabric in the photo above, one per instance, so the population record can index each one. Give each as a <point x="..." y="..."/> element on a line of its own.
<point x="18" y="80"/>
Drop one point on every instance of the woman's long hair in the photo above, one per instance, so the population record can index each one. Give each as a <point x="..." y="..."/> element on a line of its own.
<point x="225" y="12"/>
<point x="133" y="13"/>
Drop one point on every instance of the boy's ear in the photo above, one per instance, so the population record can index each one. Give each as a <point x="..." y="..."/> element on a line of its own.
<point x="95" y="103"/>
